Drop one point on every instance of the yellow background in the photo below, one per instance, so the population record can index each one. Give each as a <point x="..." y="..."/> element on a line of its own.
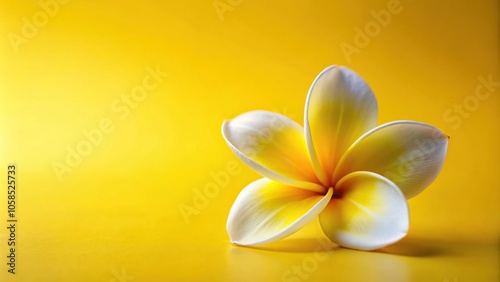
<point x="116" y="216"/>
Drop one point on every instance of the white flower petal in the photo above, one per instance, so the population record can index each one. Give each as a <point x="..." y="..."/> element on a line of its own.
<point x="410" y="154"/>
<point x="267" y="211"/>
<point x="340" y="107"/>
<point x="274" y="146"/>
<point x="367" y="212"/>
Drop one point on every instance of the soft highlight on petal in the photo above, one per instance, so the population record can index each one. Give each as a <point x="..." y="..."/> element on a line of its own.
<point x="340" y="107"/>
<point x="274" y="146"/>
<point x="410" y="154"/>
<point x="267" y="211"/>
<point x="367" y="212"/>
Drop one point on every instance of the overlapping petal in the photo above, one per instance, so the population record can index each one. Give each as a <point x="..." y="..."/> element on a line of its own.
<point x="274" y="146"/>
<point x="367" y="212"/>
<point x="340" y="107"/>
<point x="373" y="170"/>
<point x="266" y="211"/>
<point x="410" y="154"/>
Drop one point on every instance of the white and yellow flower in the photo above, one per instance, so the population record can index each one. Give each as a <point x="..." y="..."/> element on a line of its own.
<point x="356" y="177"/>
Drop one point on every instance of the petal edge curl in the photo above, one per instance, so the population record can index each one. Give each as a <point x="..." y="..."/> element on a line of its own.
<point x="368" y="212"/>
<point x="409" y="153"/>
<point x="266" y="211"/>
<point x="340" y="107"/>
<point x="273" y="146"/>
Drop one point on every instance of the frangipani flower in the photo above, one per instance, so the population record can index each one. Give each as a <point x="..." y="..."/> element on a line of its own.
<point x="341" y="168"/>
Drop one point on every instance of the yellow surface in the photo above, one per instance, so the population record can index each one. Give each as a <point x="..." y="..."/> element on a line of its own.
<point x="115" y="214"/>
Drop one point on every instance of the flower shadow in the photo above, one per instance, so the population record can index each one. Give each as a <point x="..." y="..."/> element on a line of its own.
<point x="408" y="247"/>
<point x="298" y="245"/>
<point x="416" y="247"/>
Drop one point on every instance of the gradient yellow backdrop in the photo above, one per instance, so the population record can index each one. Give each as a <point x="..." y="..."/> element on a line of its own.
<point x="69" y="71"/>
